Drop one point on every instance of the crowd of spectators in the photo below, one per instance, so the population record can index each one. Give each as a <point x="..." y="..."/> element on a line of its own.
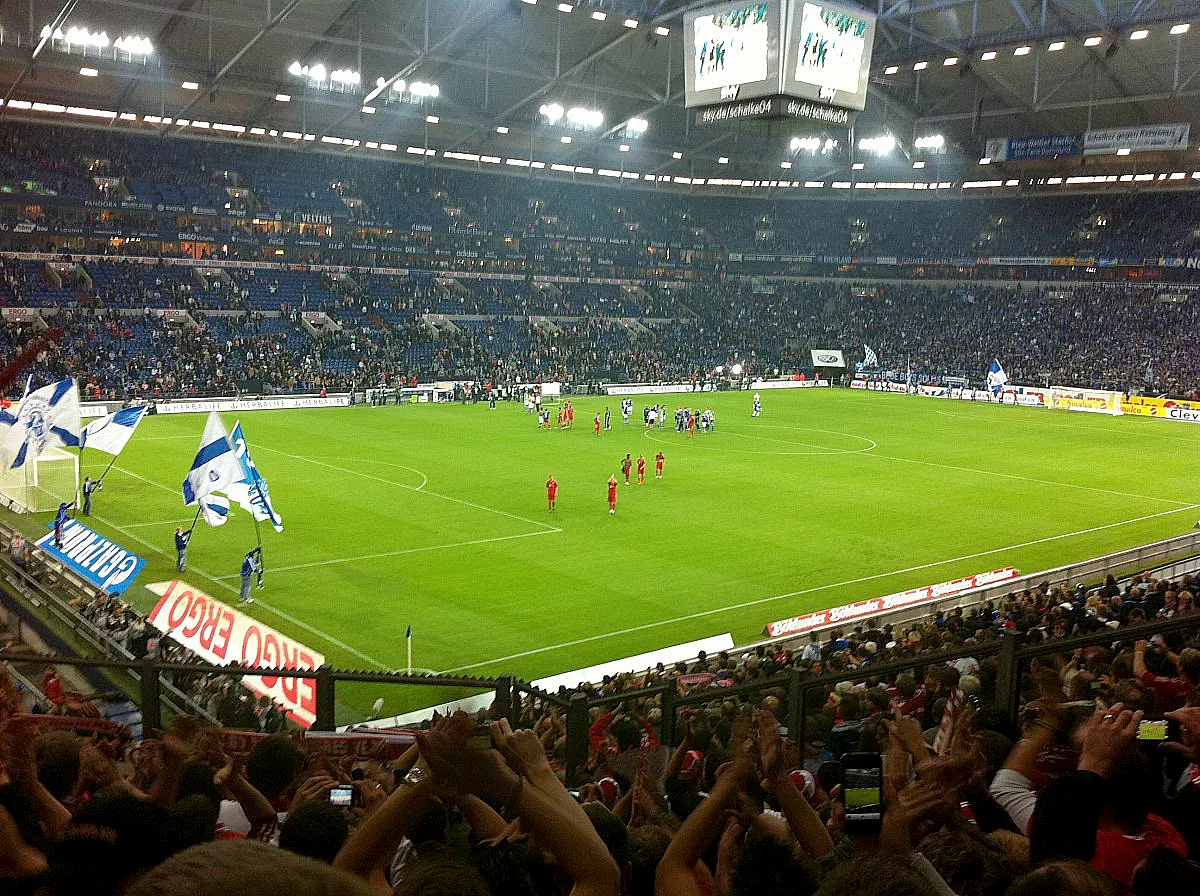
<point x="1063" y="799"/>
<point x="242" y="334"/>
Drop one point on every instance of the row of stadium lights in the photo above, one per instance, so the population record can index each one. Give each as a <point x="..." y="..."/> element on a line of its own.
<point x="474" y="158"/>
<point x="600" y="15"/>
<point x="1025" y="49"/>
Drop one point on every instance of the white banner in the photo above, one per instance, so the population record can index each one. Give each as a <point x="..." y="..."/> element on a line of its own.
<point x="788" y="384"/>
<point x="827" y="357"/>
<point x="1137" y="139"/>
<point x="282" y="403"/>
<point x="220" y="635"/>
<point x="798" y="625"/>
<point x="656" y="388"/>
<point x="1094" y="401"/>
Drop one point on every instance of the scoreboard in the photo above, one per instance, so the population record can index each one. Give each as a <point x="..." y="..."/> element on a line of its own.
<point x="778" y="59"/>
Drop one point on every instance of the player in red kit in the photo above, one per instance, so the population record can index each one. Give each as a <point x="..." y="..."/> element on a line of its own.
<point x="552" y="492"/>
<point x="626" y="466"/>
<point x="596" y="425"/>
<point x="570" y="415"/>
<point x="691" y="426"/>
<point x="641" y="464"/>
<point x="612" y="494"/>
<point x="659" y="460"/>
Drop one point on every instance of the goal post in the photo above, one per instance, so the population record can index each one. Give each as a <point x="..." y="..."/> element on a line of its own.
<point x="43" y="483"/>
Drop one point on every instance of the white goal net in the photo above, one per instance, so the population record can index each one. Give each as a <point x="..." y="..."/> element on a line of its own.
<point x="42" y="484"/>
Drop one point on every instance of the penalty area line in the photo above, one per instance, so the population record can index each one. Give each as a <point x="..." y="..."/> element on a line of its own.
<point x="420" y="550"/>
<point x="419" y="489"/>
<point x="817" y="588"/>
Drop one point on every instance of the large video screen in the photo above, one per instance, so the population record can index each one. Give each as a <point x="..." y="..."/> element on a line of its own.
<point x="828" y="52"/>
<point x="733" y="52"/>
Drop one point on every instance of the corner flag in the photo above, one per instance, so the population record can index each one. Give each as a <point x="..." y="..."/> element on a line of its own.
<point x="46" y="415"/>
<point x="111" y="433"/>
<point x="996" y="377"/>
<point x="216" y="466"/>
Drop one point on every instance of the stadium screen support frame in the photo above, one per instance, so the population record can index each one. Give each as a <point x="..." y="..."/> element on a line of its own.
<point x="771" y="78"/>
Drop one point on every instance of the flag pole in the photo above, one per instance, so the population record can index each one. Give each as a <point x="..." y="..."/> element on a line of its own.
<point x="408" y="639"/>
<point x="106" y="469"/>
<point x="195" y="519"/>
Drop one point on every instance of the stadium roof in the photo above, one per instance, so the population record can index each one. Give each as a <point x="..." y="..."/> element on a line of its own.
<point x="330" y="69"/>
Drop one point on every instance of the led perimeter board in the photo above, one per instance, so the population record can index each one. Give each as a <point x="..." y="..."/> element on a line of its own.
<point x="778" y="59"/>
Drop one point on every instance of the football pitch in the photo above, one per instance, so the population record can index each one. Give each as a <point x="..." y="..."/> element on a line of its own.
<point x="436" y="517"/>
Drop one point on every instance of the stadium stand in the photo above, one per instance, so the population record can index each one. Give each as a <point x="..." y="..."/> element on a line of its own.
<point x="1043" y="742"/>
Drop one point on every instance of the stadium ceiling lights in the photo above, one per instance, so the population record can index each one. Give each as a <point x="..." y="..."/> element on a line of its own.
<point x="891" y="70"/>
<point x="88" y="72"/>
<point x="566" y="7"/>
<point x="881" y="145"/>
<point x="920" y="66"/>
<point x="624" y="147"/>
<point x="422" y="89"/>
<point x="1182" y="28"/>
<point x="985" y="161"/>
<point x="1057" y="45"/>
<point x="637" y="126"/>
<point x="552" y="112"/>
<point x="631" y="23"/>
<point x="988" y="56"/>
<point x="583" y="117"/>
<point x="723" y="160"/>
<point x="599" y="15"/>
<point x="677" y="155"/>
<point x="1023" y="51"/>
<point x="190" y="85"/>
<point x="949" y="61"/>
<point x="1139" y="34"/>
<point x="857" y="166"/>
<point x="931" y="141"/>
<point x="282" y="98"/>
<point x="662" y="30"/>
<point x="918" y="164"/>
<point x="501" y="130"/>
<point x="1093" y="41"/>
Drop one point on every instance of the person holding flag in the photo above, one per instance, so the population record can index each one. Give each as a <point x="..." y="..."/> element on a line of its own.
<point x="182" y="537"/>
<point x="251" y="565"/>
<point x="870" y="359"/>
<point x="89" y="488"/>
<point x="61" y="517"/>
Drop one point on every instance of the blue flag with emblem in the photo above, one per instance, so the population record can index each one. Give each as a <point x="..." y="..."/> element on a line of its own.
<point x="44" y="417"/>
<point x="111" y="433"/>
<point x="997" y="379"/>
<point x="215" y="468"/>
<point x="253" y="493"/>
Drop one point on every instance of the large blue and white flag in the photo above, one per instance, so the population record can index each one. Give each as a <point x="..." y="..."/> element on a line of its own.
<point x="1149" y="372"/>
<point x="49" y="415"/>
<point x="215" y="468"/>
<point x="111" y="433"/>
<point x="215" y="509"/>
<point x="997" y="379"/>
<point x="870" y="359"/>
<point x="253" y="494"/>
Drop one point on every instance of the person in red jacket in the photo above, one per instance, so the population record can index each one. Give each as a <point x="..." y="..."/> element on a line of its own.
<point x="618" y="731"/>
<point x="641" y="468"/>
<point x="552" y="492"/>
<point x="612" y="494"/>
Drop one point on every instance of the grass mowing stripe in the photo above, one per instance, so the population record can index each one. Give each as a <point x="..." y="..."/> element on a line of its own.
<point x="257" y="603"/>
<point x="848" y="582"/>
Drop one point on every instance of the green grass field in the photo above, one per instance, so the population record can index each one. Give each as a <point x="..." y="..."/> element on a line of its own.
<point x="436" y="517"/>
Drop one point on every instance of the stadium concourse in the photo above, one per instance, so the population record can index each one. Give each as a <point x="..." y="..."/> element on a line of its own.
<point x="1043" y="741"/>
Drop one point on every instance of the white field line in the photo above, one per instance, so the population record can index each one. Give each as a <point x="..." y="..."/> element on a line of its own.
<point x="1088" y="488"/>
<point x="411" y="488"/>
<point x="844" y="584"/>
<point x="421" y="550"/>
<point x="257" y="603"/>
